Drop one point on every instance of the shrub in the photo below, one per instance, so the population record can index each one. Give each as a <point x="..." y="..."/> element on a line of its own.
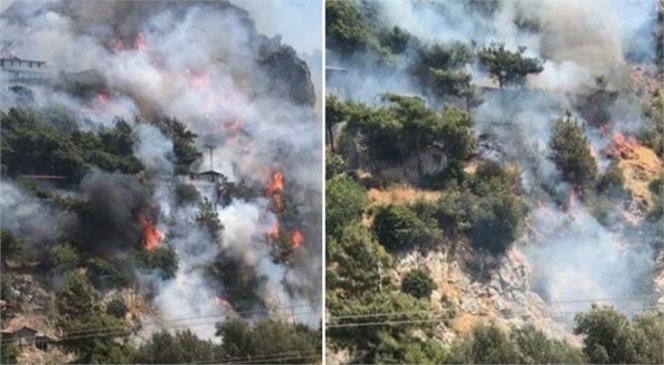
<point x="117" y="308"/>
<point x="418" y="283"/>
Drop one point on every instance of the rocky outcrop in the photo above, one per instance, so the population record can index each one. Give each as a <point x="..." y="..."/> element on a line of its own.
<point x="503" y="294"/>
<point x="288" y="75"/>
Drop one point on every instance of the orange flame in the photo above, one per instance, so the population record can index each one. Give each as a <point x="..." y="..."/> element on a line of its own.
<point x="593" y="151"/>
<point x="152" y="237"/>
<point x="198" y="79"/>
<point x="622" y="143"/>
<point x="139" y="43"/>
<point x="275" y="187"/>
<point x="102" y="99"/>
<point x="273" y="232"/>
<point x="573" y="196"/>
<point x="234" y="126"/>
<point x="224" y="304"/>
<point x="297" y="238"/>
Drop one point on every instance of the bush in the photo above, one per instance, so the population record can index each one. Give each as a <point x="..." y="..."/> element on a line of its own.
<point x="186" y="194"/>
<point x="344" y="204"/>
<point x="418" y="283"/>
<point x="105" y="274"/>
<point x="612" y="182"/>
<point x="398" y="228"/>
<point x="62" y="258"/>
<point x="117" y="308"/>
<point x="11" y="246"/>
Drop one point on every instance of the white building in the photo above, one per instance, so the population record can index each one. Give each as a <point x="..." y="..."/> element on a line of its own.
<point x="18" y="70"/>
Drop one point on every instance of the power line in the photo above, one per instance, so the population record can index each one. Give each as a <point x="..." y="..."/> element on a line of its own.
<point x="123" y="331"/>
<point x="385" y="314"/>
<point x="180" y="319"/>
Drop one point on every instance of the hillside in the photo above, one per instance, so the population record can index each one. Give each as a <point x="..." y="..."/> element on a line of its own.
<point x="154" y="207"/>
<point x="494" y="183"/>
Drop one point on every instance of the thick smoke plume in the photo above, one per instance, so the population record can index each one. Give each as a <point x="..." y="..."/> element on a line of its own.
<point x="248" y="96"/>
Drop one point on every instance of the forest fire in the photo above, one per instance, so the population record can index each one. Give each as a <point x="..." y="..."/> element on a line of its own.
<point x="223" y="303"/>
<point x="152" y="237"/>
<point x="197" y="79"/>
<point x="233" y="126"/>
<point x="573" y="196"/>
<point x="297" y="238"/>
<point x="273" y="232"/>
<point x="139" y="43"/>
<point x="623" y="144"/>
<point x="102" y="99"/>
<point x="275" y="187"/>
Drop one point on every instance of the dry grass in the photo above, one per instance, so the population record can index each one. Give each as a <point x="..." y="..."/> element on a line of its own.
<point x="640" y="166"/>
<point x="402" y="194"/>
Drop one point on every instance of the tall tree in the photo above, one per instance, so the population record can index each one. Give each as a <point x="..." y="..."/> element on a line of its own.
<point x="570" y="151"/>
<point x="509" y="67"/>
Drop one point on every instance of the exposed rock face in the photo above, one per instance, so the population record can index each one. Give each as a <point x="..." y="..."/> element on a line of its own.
<point x="288" y="75"/>
<point x="504" y="294"/>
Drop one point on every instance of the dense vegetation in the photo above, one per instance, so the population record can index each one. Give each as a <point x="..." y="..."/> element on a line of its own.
<point x="383" y="307"/>
<point x="92" y="319"/>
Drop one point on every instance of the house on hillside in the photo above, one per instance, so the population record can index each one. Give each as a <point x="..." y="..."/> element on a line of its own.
<point x="17" y="70"/>
<point x="27" y="337"/>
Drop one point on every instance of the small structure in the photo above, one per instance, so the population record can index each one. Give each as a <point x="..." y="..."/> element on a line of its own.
<point x="209" y="176"/>
<point x="27" y="337"/>
<point x="18" y="70"/>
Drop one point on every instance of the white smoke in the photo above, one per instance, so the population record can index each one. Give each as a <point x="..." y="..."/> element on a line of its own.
<point x="203" y="64"/>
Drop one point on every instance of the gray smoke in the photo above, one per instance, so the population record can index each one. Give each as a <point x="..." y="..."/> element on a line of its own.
<point x="574" y="256"/>
<point x="204" y="64"/>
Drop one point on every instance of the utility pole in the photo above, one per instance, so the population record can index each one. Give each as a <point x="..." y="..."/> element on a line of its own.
<point x="211" y="149"/>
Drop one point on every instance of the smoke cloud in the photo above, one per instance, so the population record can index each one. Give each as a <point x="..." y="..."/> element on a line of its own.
<point x="248" y="96"/>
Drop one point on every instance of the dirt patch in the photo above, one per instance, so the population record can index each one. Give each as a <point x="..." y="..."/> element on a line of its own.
<point x="402" y="194"/>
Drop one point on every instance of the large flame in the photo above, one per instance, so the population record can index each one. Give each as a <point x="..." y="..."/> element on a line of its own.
<point x="151" y="235"/>
<point x="275" y="186"/>
<point x="297" y="238"/>
<point x="623" y="144"/>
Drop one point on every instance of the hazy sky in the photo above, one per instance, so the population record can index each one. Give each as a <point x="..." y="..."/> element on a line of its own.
<point x="298" y="21"/>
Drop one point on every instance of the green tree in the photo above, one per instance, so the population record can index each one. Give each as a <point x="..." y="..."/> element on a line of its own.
<point x="360" y="263"/>
<point x="649" y="328"/>
<point x="186" y="194"/>
<point x="508" y="67"/>
<point x="418" y="283"/>
<point x="12" y="246"/>
<point x="117" y="308"/>
<point x="108" y="273"/>
<point x="536" y="348"/>
<point x="336" y="113"/>
<point x="570" y="151"/>
<point x="609" y="337"/>
<point x="398" y="228"/>
<point x="62" y="258"/>
<point x="346" y="30"/>
<point x="612" y="181"/>
<point x="183" y="347"/>
<point x="488" y="344"/>
<point x="379" y="344"/>
<point x="207" y="217"/>
<point x="184" y="141"/>
<point x="9" y="352"/>
<point x="79" y="310"/>
<point x="259" y="342"/>
<point x="345" y="201"/>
